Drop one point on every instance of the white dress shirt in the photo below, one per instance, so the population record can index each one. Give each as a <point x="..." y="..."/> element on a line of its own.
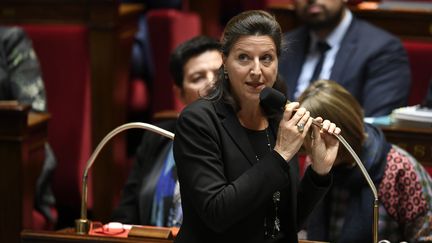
<point x="334" y="39"/>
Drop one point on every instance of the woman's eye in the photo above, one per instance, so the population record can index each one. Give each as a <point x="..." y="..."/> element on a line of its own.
<point x="243" y="57"/>
<point x="267" y="58"/>
<point x="198" y="78"/>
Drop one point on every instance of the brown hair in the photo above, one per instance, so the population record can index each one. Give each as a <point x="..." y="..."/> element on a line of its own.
<point x="329" y="100"/>
<point x="248" y="23"/>
<point x="253" y="22"/>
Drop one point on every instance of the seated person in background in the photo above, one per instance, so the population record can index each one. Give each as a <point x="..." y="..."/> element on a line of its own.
<point x="369" y="62"/>
<point x="404" y="187"/>
<point x="151" y="195"/>
<point x="20" y="79"/>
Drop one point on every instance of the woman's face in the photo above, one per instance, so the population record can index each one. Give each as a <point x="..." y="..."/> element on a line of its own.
<point x="251" y="64"/>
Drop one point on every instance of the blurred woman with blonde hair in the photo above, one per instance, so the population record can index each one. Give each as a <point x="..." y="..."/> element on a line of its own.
<point x="404" y="187"/>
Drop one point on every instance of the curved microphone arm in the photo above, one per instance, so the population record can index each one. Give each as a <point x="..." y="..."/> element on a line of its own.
<point x="371" y="185"/>
<point x="367" y="178"/>
<point x="360" y="164"/>
<point x="83" y="224"/>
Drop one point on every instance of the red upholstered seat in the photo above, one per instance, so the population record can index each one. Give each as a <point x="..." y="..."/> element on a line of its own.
<point x="138" y="100"/>
<point x="167" y="29"/>
<point x="64" y="57"/>
<point x="420" y="57"/>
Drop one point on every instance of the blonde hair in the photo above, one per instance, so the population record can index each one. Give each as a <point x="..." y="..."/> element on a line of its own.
<point x="329" y="100"/>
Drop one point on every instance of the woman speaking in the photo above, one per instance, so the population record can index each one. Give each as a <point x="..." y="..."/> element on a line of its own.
<point x="236" y="167"/>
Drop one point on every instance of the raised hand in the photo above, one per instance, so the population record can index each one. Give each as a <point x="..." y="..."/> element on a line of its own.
<point x="322" y="146"/>
<point x="292" y="130"/>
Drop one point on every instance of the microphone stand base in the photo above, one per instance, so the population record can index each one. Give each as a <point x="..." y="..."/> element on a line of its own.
<point x="82" y="226"/>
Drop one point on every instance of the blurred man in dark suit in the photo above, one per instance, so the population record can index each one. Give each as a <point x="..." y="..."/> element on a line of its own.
<point x="333" y="44"/>
<point x="151" y="195"/>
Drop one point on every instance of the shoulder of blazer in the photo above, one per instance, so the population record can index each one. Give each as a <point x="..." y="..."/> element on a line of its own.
<point x="362" y="31"/>
<point x="167" y="124"/>
<point x="152" y="143"/>
<point x="203" y="107"/>
<point x="299" y="32"/>
<point x="296" y="38"/>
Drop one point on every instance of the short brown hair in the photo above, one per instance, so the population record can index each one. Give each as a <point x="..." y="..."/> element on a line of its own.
<point x="329" y="100"/>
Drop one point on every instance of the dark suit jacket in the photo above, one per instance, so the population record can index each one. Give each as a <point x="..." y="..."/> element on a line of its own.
<point x="224" y="189"/>
<point x="371" y="64"/>
<point x="138" y="193"/>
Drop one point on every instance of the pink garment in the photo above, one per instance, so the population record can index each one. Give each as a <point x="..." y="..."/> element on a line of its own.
<point x="400" y="190"/>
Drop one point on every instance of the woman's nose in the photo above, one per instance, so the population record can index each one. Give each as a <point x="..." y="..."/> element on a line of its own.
<point x="210" y="75"/>
<point x="256" y="69"/>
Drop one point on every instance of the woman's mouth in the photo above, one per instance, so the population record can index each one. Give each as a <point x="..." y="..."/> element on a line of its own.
<point x="255" y="85"/>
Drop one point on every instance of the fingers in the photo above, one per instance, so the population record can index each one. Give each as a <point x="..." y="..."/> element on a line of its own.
<point x="301" y="120"/>
<point x="290" y="109"/>
<point x="292" y="130"/>
<point x="308" y="122"/>
<point x="303" y="117"/>
<point x="297" y="119"/>
<point x="309" y="135"/>
<point x="316" y="129"/>
<point x="296" y="115"/>
<point x="330" y="127"/>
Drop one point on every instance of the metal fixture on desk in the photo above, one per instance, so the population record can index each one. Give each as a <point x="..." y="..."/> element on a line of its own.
<point x="82" y="225"/>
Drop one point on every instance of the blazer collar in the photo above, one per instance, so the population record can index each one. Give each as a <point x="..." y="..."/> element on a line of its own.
<point x="236" y="131"/>
<point x="346" y="52"/>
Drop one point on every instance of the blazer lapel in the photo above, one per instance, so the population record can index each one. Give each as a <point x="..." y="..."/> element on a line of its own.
<point x="234" y="129"/>
<point x="345" y="55"/>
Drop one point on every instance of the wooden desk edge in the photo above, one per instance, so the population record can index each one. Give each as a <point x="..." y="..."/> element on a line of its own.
<point x="35" y="118"/>
<point x="69" y="236"/>
<point x="394" y="128"/>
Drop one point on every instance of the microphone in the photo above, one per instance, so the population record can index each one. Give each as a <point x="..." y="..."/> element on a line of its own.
<point x="82" y="225"/>
<point x="273" y="103"/>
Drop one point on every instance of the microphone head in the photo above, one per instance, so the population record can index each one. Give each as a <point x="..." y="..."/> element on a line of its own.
<point x="272" y="101"/>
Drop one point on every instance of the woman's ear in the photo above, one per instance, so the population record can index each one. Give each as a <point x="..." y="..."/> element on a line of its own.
<point x="178" y="92"/>
<point x="223" y="60"/>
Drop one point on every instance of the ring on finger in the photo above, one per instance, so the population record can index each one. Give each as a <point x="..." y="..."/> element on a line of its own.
<point x="300" y="127"/>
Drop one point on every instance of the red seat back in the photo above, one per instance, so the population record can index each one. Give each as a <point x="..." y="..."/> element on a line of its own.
<point x="420" y="57"/>
<point x="167" y="29"/>
<point x="64" y="56"/>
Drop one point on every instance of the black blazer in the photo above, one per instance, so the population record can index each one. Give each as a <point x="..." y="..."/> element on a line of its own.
<point x="138" y="193"/>
<point x="224" y="189"/>
<point x="371" y="64"/>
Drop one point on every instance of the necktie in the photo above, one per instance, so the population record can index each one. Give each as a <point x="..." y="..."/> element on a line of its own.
<point x="322" y="47"/>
